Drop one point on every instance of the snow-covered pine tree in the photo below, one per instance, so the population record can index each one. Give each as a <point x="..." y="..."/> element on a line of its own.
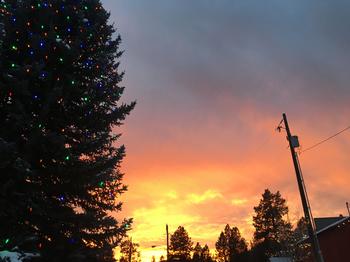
<point x="59" y="100"/>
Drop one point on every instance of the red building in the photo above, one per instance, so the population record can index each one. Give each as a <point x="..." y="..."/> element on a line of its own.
<point x="334" y="237"/>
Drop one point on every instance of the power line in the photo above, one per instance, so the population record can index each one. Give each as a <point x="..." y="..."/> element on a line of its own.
<point x="325" y="140"/>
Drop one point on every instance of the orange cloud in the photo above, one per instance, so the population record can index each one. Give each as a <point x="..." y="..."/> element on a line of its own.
<point x="207" y="195"/>
<point x="238" y="201"/>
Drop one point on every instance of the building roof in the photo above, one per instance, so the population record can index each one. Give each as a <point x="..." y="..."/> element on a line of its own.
<point x="324" y="223"/>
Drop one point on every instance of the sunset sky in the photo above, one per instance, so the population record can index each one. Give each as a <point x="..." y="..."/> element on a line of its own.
<point x="211" y="80"/>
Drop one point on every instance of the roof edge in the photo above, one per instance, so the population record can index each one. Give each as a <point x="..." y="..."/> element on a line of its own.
<point x="332" y="225"/>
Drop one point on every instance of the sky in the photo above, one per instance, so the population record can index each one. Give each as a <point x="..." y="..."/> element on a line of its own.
<point x="211" y="80"/>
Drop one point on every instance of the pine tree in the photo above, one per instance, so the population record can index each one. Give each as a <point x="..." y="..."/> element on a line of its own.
<point x="197" y="253"/>
<point x="222" y="252"/>
<point x="129" y="251"/>
<point x="205" y="255"/>
<point x="301" y="249"/>
<point x="201" y="254"/>
<point x="272" y="231"/>
<point x="180" y="245"/>
<point x="230" y="245"/>
<point x="59" y="101"/>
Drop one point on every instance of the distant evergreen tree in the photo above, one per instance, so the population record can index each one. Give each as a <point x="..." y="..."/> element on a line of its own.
<point x="197" y="253"/>
<point x="222" y="250"/>
<point x="272" y="232"/>
<point x="129" y="251"/>
<point x="301" y="249"/>
<point x="206" y="256"/>
<point x="201" y="254"/>
<point x="180" y="245"/>
<point x="230" y="246"/>
<point x="300" y="231"/>
<point x="59" y="101"/>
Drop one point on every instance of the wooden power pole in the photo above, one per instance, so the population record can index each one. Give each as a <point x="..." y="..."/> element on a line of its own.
<point x="167" y="242"/>
<point x="293" y="143"/>
<point x="130" y="249"/>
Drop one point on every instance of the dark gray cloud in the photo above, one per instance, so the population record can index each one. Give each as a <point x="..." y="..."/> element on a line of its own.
<point x="193" y="64"/>
<point x="267" y="52"/>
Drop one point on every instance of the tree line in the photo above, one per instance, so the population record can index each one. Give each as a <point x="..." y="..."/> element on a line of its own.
<point x="274" y="236"/>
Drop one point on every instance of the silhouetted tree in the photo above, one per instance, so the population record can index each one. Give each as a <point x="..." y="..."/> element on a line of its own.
<point x="230" y="245"/>
<point x="272" y="232"/>
<point x="153" y="259"/>
<point x="59" y="102"/>
<point x="180" y="245"/>
<point x="205" y="255"/>
<point x="162" y="259"/>
<point x="197" y="253"/>
<point x="129" y="251"/>
<point x="300" y="231"/>
<point x="201" y="254"/>
<point x="301" y="249"/>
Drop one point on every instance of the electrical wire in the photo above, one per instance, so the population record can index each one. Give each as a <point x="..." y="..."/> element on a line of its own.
<point x="324" y="140"/>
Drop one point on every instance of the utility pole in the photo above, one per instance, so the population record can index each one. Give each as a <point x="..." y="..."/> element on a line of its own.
<point x="293" y="143"/>
<point x="167" y="242"/>
<point x="347" y="206"/>
<point x="130" y="249"/>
